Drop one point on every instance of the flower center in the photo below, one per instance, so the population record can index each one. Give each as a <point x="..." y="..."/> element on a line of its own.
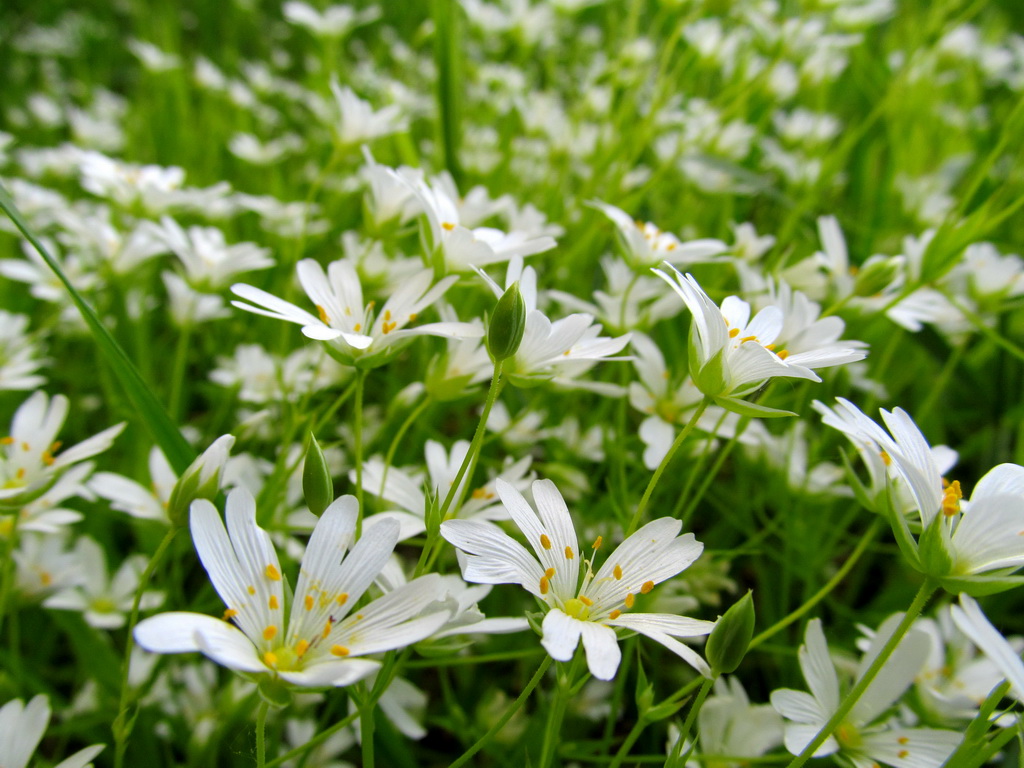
<point x="577" y="609"/>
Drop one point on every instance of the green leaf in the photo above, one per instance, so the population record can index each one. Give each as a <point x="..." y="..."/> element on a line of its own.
<point x="753" y="410"/>
<point x="163" y="431"/>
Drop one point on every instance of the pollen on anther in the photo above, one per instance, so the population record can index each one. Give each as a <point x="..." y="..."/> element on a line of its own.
<point x="586" y="600"/>
<point x="885" y="458"/>
<point x="617" y="572"/>
<point x="630" y="599"/>
<point x="568" y="553"/>
<point x="272" y="573"/>
<point x="448" y="226"/>
<point x="614" y="614"/>
<point x="903" y="739"/>
<point x="7" y="440"/>
<point x="647" y="587"/>
<point x="272" y="603"/>
<point x="327" y="628"/>
<point x="902" y="753"/>
<point x="339" y="650"/>
<point x="597" y="542"/>
<point x="270" y="659"/>
<point x="544" y="585"/>
<point x="323" y="315"/>
<point x="230" y="613"/>
<point x="734" y="332"/>
<point x="342" y="598"/>
<point x="301" y="647"/>
<point x="545" y="541"/>
<point x="550" y="573"/>
<point x="357" y="327"/>
<point x="308" y="602"/>
<point x="251" y="589"/>
<point x="269" y="632"/>
<point x="783" y="354"/>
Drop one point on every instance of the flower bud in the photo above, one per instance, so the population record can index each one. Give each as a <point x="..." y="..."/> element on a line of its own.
<point x="728" y="641"/>
<point x="876" y="275"/>
<point x="200" y="481"/>
<point x="317" y="486"/>
<point x="507" y="324"/>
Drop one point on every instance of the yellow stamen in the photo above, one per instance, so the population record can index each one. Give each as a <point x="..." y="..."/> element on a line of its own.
<point x="323" y="315"/>
<point x="272" y="603"/>
<point x="230" y="613"/>
<point x="308" y="602"/>
<point x="748" y="338"/>
<point x="734" y="332"/>
<point x="951" y="499"/>
<point x="327" y="627"/>
<point x="272" y="573"/>
<point x="903" y="740"/>
<point x="301" y="647"/>
<point x="614" y="614"/>
<point x="251" y="589"/>
<point x="545" y="541"/>
<point x="630" y="599"/>
<point x="6" y="440"/>
<point x="902" y="753"/>
<point x="783" y="354"/>
<point x="550" y="573"/>
<point x="544" y="585"/>
<point x="270" y="659"/>
<point x="448" y="226"/>
<point x="342" y="598"/>
<point x="885" y="458"/>
<point x="647" y="587"/>
<point x="586" y="600"/>
<point x="269" y="632"/>
<point x="568" y="553"/>
<point x="597" y="542"/>
<point x="617" y="572"/>
<point x="339" y="650"/>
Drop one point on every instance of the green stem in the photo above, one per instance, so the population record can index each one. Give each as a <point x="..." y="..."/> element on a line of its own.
<point x="691" y="716"/>
<point x="178" y="371"/>
<point x="7" y="569"/>
<point x="366" y="728"/>
<point x="122" y="725"/>
<point x="627" y="744"/>
<point x="557" y="713"/>
<point x="313" y="742"/>
<point x="642" y="506"/>
<point x="928" y="588"/>
<point x="261" y="727"/>
<point x="821" y="594"/>
<point x="514" y="707"/>
<point x="357" y="428"/>
<point x="431" y="549"/>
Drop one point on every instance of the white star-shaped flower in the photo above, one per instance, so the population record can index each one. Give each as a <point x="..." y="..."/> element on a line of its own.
<point x="582" y="604"/>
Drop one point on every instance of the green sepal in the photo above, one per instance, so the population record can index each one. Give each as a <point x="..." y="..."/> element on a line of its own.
<point x="644" y="694"/>
<point x="710" y="377"/>
<point x="901" y="532"/>
<point x="728" y="641"/>
<point x="981" y="584"/>
<point x="274" y="691"/>
<point x="317" y="486"/>
<point x="933" y="549"/>
<point x="753" y="410"/>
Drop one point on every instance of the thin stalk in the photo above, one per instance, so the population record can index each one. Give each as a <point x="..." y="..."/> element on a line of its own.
<point x="414" y="414"/>
<point x="642" y="506"/>
<point x="557" y="713"/>
<point x="357" y="428"/>
<point x="261" y="728"/>
<point x="630" y="740"/>
<point x="514" y="707"/>
<point x="7" y="570"/>
<point x="866" y="540"/>
<point x="928" y="588"/>
<point x="178" y="371"/>
<point x="691" y="716"/>
<point x="366" y="728"/>
<point x="321" y="737"/>
<point x="122" y="726"/>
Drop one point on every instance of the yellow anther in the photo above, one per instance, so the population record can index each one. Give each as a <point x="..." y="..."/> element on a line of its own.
<point x="545" y="541"/>
<point x="301" y="647"/>
<point x="25" y="446"/>
<point x="586" y="600"/>
<point x="886" y="459"/>
<point x="412" y="317"/>
<point x="339" y="650"/>
<point x="323" y="315"/>
<point x="6" y="440"/>
<point x="614" y="614"/>
<point x="20" y="474"/>
<point x="327" y="628"/>
<point x="597" y="543"/>
<point x="550" y="573"/>
<point x="748" y="338"/>
<point x="357" y="327"/>
<point x="272" y="573"/>
<point x="230" y="613"/>
<point x="903" y="740"/>
<point x="308" y="602"/>
<point x="951" y="499"/>
<point x="630" y="599"/>
<point x="617" y="572"/>
<point x="783" y="354"/>
<point x="734" y="332"/>
<point x="348" y="311"/>
<point x="270" y="659"/>
<point x="568" y="553"/>
<point x="272" y="603"/>
<point x="251" y="589"/>
<point x="544" y="585"/>
<point x="448" y="226"/>
<point x="269" y="632"/>
<point x="387" y="315"/>
<point x="45" y="578"/>
<point x="670" y="247"/>
<point x="482" y="494"/>
<point x="342" y="598"/>
<point x="902" y="753"/>
<point x="646" y="587"/>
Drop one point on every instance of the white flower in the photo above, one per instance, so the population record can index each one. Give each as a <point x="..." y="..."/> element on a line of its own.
<point x="209" y="261"/>
<point x="104" y="601"/>
<point x="646" y="245"/>
<point x="19" y="361"/>
<point x="860" y="738"/>
<point x="971" y="621"/>
<point x="188" y="306"/>
<point x="354" y="332"/>
<point x="126" y="495"/>
<point x="590" y="609"/>
<point x="335" y="21"/>
<point x="357" y="121"/>
<point x="21" y="728"/>
<point x="311" y="637"/>
<point x="731" y="355"/>
<point x="29" y="462"/>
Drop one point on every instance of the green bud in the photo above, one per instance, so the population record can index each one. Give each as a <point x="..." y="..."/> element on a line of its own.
<point x="875" y="276"/>
<point x="317" y="486"/>
<point x="728" y="641"/>
<point x="200" y="481"/>
<point x="507" y="324"/>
